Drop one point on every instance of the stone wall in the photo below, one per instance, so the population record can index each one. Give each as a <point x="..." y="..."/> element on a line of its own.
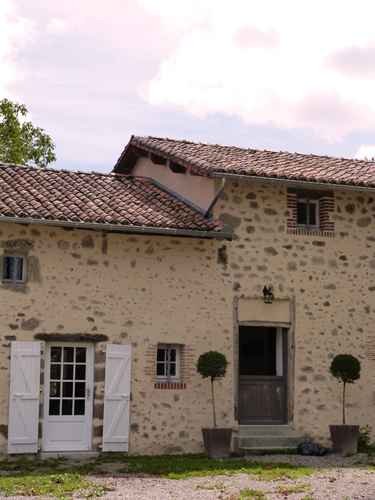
<point x="135" y="290"/>
<point x="330" y="277"/>
<point x="145" y="290"/>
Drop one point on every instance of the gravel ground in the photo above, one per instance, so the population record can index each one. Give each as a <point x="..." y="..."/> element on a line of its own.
<point x="336" y="478"/>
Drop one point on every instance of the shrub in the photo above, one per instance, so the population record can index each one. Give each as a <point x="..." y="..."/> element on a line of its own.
<point x="347" y="369"/>
<point x="212" y="365"/>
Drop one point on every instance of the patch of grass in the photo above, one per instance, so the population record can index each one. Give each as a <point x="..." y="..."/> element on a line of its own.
<point x="190" y="465"/>
<point x="84" y="469"/>
<point x="52" y="485"/>
<point x="24" y="464"/>
<point x="287" y="491"/>
<point x="364" y="437"/>
<point x="205" y="486"/>
<point x="112" y="457"/>
<point x="251" y="494"/>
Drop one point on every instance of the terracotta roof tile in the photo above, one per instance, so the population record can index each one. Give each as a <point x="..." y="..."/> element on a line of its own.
<point x="62" y="195"/>
<point x="208" y="159"/>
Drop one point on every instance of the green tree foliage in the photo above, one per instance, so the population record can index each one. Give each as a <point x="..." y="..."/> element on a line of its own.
<point x="212" y="365"/>
<point x="347" y="369"/>
<point x="22" y="143"/>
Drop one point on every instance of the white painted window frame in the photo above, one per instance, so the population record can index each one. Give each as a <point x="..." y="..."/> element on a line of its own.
<point x="167" y="377"/>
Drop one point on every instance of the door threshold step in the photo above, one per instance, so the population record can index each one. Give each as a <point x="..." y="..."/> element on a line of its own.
<point x="79" y="455"/>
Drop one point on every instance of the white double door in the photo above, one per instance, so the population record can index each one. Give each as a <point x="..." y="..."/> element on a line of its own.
<point x="68" y="397"/>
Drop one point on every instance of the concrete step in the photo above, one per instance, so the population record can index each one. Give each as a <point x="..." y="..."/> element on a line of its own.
<point x="79" y="455"/>
<point x="250" y="439"/>
<point x="265" y="430"/>
<point x="268" y="441"/>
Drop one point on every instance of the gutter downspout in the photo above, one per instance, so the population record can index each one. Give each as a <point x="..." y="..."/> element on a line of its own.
<point x="216" y="197"/>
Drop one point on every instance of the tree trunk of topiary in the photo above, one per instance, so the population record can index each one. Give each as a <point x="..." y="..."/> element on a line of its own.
<point x="343" y="405"/>
<point x="213" y="401"/>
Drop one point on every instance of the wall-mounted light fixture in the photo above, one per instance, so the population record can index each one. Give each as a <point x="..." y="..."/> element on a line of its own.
<point x="268" y="295"/>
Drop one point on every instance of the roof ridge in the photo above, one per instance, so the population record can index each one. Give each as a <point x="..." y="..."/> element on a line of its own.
<point x="65" y="170"/>
<point x="312" y="155"/>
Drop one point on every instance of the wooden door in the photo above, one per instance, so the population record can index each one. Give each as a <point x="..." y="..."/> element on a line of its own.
<point x="68" y="397"/>
<point x="262" y="391"/>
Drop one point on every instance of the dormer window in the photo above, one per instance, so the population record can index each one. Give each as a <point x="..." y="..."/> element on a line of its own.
<point x="13" y="269"/>
<point x="307" y="214"/>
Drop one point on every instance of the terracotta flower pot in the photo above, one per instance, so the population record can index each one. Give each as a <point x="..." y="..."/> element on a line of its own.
<point x="344" y="438"/>
<point x="217" y="441"/>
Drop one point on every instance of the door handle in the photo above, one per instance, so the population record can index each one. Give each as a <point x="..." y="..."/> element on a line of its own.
<point x="87" y="392"/>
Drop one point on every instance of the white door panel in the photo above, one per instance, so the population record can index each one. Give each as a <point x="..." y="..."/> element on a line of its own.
<point x="117" y="398"/>
<point x="24" y="397"/>
<point x="69" y="376"/>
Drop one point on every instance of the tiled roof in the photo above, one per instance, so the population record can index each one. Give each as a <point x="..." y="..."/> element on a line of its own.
<point x="211" y="159"/>
<point x="47" y="194"/>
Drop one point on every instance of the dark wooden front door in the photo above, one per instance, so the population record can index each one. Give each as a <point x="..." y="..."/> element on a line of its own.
<point x="262" y="375"/>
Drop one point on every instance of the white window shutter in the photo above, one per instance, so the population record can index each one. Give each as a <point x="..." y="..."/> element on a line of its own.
<point x="117" y="398"/>
<point x="24" y="397"/>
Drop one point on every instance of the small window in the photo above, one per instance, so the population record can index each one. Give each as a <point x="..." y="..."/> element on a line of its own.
<point x="168" y="362"/>
<point x="307" y="214"/>
<point x="13" y="269"/>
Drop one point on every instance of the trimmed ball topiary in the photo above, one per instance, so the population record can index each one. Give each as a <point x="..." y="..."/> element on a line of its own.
<point x="347" y="369"/>
<point x="212" y="365"/>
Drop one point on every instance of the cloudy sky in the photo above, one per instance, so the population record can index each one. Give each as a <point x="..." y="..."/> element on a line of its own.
<point x="296" y="75"/>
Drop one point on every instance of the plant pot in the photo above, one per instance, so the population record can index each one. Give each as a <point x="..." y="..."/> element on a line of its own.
<point x="344" y="438"/>
<point x="217" y="441"/>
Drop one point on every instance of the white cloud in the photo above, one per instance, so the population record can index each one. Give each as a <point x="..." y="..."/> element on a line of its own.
<point x="180" y="15"/>
<point x="60" y="26"/>
<point x="365" y="152"/>
<point x="14" y="33"/>
<point x="291" y="64"/>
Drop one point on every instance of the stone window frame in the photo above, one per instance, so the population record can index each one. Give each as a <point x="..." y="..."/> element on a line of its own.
<point x="325" y="206"/>
<point x="18" y="258"/>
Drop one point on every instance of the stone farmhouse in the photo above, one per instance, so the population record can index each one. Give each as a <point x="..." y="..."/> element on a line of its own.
<point x="114" y="284"/>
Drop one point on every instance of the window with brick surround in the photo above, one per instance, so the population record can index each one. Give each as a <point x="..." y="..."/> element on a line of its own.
<point x="168" y="363"/>
<point x="184" y="365"/>
<point x="14" y="269"/>
<point x="309" y="212"/>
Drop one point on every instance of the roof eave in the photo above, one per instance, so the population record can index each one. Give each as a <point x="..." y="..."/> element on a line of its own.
<point x="290" y="182"/>
<point x="191" y="233"/>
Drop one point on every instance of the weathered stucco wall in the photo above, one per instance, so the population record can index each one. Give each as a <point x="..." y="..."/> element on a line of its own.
<point x="331" y="281"/>
<point x="196" y="188"/>
<point x="137" y="290"/>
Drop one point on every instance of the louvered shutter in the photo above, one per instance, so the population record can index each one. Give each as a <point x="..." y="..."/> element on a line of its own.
<point x="24" y="397"/>
<point x="117" y="398"/>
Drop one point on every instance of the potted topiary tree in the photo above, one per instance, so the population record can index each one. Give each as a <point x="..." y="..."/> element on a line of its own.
<point x="213" y="365"/>
<point x="346" y="368"/>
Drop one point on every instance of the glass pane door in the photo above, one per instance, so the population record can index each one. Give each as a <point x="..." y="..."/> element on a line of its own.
<point x="67" y="387"/>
